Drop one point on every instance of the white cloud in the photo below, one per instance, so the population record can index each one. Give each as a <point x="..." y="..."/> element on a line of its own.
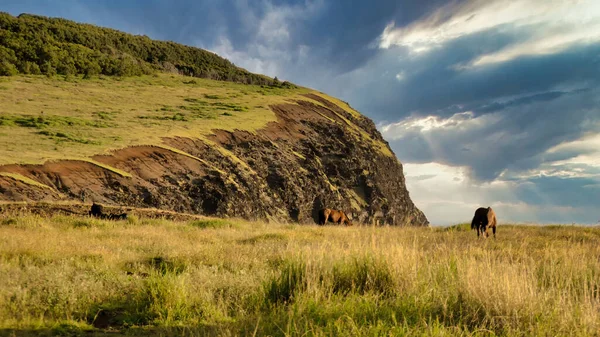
<point x="400" y="76"/>
<point x="549" y="26"/>
<point x="271" y="48"/>
<point x="589" y="146"/>
<point x="433" y="123"/>
<point x="243" y="59"/>
<point x="449" y="196"/>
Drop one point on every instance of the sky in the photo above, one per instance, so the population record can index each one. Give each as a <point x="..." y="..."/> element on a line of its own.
<point x="485" y="102"/>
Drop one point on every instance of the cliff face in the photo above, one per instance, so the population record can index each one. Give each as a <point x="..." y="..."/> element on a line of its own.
<point x="317" y="154"/>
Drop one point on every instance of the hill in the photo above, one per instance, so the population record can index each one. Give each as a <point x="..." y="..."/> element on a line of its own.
<point x="32" y="44"/>
<point x="196" y="145"/>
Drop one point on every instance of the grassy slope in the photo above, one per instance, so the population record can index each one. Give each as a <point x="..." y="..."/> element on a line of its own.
<point x="47" y="119"/>
<point x="235" y="278"/>
<point x="85" y="117"/>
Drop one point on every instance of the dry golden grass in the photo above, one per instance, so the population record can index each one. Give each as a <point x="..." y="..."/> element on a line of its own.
<point x="230" y="277"/>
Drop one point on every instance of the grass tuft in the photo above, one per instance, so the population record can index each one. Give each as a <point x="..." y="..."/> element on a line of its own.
<point x="363" y="275"/>
<point x="289" y="284"/>
<point x="167" y="266"/>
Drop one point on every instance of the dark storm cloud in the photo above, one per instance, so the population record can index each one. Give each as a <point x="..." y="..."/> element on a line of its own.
<point x="431" y="84"/>
<point x="497" y="106"/>
<point x="555" y="191"/>
<point x="344" y="33"/>
<point x="514" y="138"/>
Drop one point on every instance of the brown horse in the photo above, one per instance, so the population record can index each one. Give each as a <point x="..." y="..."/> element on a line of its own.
<point x="483" y="219"/>
<point x="333" y="215"/>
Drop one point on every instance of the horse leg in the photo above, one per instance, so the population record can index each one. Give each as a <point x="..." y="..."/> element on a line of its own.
<point x="494" y="230"/>
<point x="328" y="217"/>
<point x="478" y="231"/>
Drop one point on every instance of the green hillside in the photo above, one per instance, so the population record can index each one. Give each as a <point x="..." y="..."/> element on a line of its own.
<point x="31" y="44"/>
<point x="43" y="119"/>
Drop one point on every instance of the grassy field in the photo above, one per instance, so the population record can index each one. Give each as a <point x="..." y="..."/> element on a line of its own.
<point x="227" y="277"/>
<point x="71" y="118"/>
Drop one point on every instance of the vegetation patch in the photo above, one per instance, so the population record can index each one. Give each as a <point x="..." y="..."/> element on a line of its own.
<point x="165" y="265"/>
<point x="46" y="121"/>
<point x="277" y="237"/>
<point x="212" y="224"/>
<point x="65" y="137"/>
<point x="175" y="117"/>
<point x="106" y="115"/>
<point x="363" y="275"/>
<point x="36" y="45"/>
<point x="288" y="284"/>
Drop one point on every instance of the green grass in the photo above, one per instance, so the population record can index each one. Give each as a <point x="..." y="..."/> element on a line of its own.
<point x="212" y="223"/>
<point x="231" y="277"/>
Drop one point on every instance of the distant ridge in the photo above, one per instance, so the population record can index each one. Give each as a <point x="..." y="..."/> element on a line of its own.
<point x="33" y="44"/>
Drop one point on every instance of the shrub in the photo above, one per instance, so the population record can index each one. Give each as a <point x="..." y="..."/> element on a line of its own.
<point x="8" y="69"/>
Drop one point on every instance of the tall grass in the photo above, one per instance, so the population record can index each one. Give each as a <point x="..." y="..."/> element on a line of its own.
<point x="69" y="275"/>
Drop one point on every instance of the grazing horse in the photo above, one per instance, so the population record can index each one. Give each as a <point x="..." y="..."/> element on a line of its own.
<point x="483" y="219"/>
<point x="97" y="211"/>
<point x="333" y="215"/>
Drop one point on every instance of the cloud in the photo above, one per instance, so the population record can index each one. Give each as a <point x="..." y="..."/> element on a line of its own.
<point x="271" y="45"/>
<point x="548" y="26"/>
<point x="517" y="137"/>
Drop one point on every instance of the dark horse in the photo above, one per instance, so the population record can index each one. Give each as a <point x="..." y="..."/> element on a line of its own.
<point x="333" y="215"/>
<point x="484" y="218"/>
<point x="98" y="211"/>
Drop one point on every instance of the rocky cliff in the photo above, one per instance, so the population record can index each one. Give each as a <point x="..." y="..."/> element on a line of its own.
<point x="318" y="153"/>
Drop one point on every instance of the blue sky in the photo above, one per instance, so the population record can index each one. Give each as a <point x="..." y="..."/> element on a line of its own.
<point x="485" y="102"/>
